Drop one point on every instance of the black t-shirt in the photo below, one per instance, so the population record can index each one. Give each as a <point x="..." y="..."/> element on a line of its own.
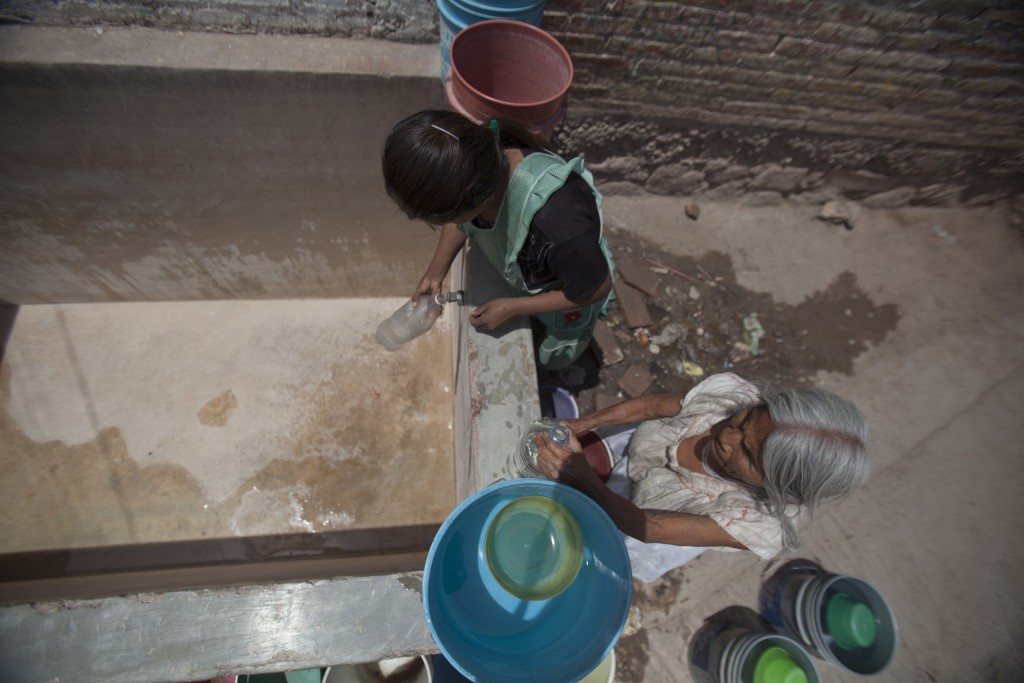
<point x="562" y="247"/>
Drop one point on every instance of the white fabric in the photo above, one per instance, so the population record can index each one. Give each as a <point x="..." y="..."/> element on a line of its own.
<point x="649" y="560"/>
<point x="651" y="477"/>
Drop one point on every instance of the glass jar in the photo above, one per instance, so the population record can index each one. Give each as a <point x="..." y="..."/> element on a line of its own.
<point x="522" y="461"/>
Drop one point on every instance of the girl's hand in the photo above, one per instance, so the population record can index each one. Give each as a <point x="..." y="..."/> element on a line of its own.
<point x="493" y="314"/>
<point x="429" y="285"/>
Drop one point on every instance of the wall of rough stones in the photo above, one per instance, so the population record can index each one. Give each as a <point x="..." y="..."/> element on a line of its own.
<point x="890" y="102"/>
<point x="402" y="20"/>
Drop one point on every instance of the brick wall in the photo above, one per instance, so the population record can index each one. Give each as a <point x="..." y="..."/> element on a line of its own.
<point x="886" y="101"/>
<point x="889" y="102"/>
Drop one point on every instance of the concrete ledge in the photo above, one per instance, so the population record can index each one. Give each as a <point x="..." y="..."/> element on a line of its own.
<point x="176" y="49"/>
<point x="500" y="380"/>
<point x="194" y="635"/>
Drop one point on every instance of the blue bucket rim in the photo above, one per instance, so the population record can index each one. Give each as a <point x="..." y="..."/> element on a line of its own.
<point x="488" y="490"/>
<point x="470" y="7"/>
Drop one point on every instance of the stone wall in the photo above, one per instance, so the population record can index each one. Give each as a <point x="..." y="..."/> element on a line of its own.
<point x="403" y="20"/>
<point x="891" y="102"/>
<point x="888" y="102"/>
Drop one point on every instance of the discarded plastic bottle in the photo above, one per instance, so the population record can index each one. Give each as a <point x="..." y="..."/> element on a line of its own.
<point x="409" y="322"/>
<point x="752" y="333"/>
<point x="522" y="461"/>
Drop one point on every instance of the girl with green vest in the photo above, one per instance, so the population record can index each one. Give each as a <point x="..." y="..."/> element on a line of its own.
<point x="535" y="216"/>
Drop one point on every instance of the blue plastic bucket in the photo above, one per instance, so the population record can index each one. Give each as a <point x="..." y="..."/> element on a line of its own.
<point x="490" y="635"/>
<point x="796" y="602"/>
<point x="458" y="14"/>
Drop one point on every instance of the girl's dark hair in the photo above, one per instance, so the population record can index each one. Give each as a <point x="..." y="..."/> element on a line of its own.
<point x="439" y="164"/>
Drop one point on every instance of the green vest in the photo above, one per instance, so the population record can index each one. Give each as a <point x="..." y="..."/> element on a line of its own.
<point x="533" y="182"/>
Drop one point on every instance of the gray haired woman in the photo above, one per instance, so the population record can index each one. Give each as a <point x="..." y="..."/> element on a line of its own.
<point x="727" y="465"/>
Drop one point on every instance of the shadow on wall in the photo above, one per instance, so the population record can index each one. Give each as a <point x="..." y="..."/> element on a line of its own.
<point x="178" y="565"/>
<point x="8" y="313"/>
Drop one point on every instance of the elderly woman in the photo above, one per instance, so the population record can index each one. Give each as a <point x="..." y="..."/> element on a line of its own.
<point x="726" y="465"/>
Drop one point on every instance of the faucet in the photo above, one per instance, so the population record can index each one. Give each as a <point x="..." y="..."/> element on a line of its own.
<point x="459" y="297"/>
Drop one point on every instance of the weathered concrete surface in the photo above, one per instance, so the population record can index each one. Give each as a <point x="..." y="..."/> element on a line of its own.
<point x="140" y="165"/>
<point x="194" y="635"/>
<point x="175" y="421"/>
<point x="935" y="527"/>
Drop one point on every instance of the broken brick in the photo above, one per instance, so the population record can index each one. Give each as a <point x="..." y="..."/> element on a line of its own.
<point x="632" y="306"/>
<point x="608" y="351"/>
<point x="637" y="273"/>
<point x="636" y="381"/>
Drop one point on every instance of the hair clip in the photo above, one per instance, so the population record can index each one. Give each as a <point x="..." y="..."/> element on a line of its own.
<point x="493" y="125"/>
<point x="446" y="132"/>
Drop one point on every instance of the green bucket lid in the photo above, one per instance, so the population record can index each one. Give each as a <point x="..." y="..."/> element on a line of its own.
<point x="850" y="623"/>
<point x="776" y="666"/>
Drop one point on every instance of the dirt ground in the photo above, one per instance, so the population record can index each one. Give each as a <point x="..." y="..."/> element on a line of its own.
<point x="700" y="300"/>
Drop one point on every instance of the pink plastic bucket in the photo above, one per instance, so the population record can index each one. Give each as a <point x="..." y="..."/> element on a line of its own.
<point x="509" y="69"/>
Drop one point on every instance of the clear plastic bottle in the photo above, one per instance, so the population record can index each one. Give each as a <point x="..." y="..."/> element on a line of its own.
<point x="409" y="322"/>
<point x="522" y="461"/>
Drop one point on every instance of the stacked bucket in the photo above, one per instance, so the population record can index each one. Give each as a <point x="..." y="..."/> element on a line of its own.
<point x="496" y="63"/>
<point x="458" y="14"/>
<point x="805" y="612"/>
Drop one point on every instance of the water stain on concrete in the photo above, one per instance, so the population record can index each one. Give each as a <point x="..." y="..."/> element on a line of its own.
<point x="88" y="494"/>
<point x="217" y="410"/>
<point x="832" y="327"/>
<point x="370" y="450"/>
<point x="412" y="583"/>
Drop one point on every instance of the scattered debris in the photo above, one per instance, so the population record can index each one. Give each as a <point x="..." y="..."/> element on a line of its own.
<point x="636" y="381"/>
<point x="691" y="369"/>
<point x="632" y="306"/>
<point x="692" y="210"/>
<point x="633" y="622"/>
<point x="667" y="269"/>
<point x="637" y="273"/>
<point x="608" y="350"/>
<point x="740" y="352"/>
<point x="694" y="294"/>
<point x="839" y="212"/>
<point x="710" y="333"/>
<point x="752" y="333"/>
<point x="671" y="333"/>
<point x="942" y="233"/>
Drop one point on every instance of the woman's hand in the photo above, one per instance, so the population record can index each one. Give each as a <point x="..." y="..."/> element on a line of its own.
<point x="564" y="464"/>
<point x="577" y="426"/>
<point x="494" y="314"/>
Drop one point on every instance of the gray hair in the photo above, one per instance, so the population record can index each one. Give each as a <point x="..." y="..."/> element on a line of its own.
<point x="815" y="453"/>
